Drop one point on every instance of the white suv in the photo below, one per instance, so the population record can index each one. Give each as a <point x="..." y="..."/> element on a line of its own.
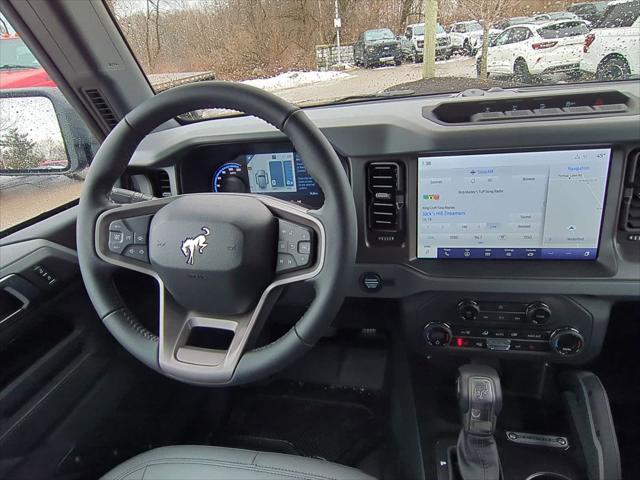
<point x="466" y="36"/>
<point x="412" y="42"/>
<point x="535" y="49"/>
<point x="612" y="49"/>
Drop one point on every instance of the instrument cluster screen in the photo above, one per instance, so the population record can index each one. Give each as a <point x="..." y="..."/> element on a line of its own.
<point x="523" y="205"/>
<point x="281" y="175"/>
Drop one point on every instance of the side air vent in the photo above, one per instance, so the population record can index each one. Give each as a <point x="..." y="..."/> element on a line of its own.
<point x="385" y="202"/>
<point x="102" y="107"/>
<point x="630" y="220"/>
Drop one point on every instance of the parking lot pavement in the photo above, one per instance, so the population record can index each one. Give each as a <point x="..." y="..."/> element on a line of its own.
<point x="375" y="80"/>
<point x="22" y="198"/>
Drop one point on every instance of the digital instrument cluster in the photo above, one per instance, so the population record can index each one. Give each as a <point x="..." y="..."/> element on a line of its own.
<point x="280" y="174"/>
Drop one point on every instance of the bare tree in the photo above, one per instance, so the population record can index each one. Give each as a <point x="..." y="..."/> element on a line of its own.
<point x="487" y="12"/>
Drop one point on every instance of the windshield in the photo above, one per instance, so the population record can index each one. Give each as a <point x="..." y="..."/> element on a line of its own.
<point x="16" y="55"/>
<point x="419" y="29"/>
<point x="375" y="35"/>
<point x="621" y="15"/>
<point x="324" y="52"/>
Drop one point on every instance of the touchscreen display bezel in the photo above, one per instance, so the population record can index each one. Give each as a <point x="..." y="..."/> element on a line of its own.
<point x="542" y="151"/>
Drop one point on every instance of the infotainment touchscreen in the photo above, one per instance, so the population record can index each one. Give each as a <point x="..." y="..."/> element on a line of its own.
<point x="524" y="205"/>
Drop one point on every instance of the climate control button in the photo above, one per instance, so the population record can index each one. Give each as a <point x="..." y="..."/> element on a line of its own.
<point x="468" y="310"/>
<point x="437" y="334"/>
<point x="566" y="341"/>
<point x="538" y="313"/>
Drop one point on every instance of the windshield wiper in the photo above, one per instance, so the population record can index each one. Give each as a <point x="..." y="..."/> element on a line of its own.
<point x="385" y="94"/>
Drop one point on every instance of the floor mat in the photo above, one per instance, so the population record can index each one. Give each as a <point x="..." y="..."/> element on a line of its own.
<point x="341" y="426"/>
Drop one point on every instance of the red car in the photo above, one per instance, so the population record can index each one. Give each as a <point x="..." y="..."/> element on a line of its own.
<point x="18" y="67"/>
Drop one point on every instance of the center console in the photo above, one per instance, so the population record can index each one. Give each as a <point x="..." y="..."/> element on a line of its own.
<point x="557" y="327"/>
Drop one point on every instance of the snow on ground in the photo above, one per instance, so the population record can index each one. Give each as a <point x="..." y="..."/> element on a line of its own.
<point x="295" y="79"/>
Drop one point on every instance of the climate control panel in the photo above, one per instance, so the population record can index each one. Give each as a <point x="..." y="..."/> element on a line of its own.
<point x="555" y="327"/>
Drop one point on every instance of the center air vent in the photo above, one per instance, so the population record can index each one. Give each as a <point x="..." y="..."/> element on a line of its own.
<point x="162" y="184"/>
<point x="385" y="203"/>
<point x="630" y="218"/>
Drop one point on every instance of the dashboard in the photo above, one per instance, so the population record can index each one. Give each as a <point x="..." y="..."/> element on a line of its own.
<point x="515" y="235"/>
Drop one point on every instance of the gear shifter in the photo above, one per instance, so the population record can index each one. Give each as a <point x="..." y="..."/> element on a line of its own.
<point x="480" y="402"/>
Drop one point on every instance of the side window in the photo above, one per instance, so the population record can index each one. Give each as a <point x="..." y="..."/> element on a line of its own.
<point x="519" y="35"/>
<point x="44" y="146"/>
<point x="503" y="38"/>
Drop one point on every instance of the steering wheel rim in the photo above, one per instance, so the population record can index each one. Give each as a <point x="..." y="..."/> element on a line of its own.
<point x="334" y="223"/>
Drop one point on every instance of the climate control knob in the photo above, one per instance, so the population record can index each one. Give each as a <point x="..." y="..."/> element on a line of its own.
<point x="437" y="334"/>
<point x="468" y="310"/>
<point x="538" y="313"/>
<point x="566" y="341"/>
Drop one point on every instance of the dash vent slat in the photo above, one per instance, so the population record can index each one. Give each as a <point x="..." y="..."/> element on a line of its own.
<point x="385" y="202"/>
<point x="630" y="218"/>
<point x="102" y="107"/>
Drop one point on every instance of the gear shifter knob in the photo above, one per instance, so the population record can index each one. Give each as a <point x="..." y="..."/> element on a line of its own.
<point x="479" y="398"/>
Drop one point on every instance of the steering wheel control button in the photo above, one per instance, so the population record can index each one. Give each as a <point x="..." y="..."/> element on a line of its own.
<point x="468" y="310"/>
<point x="538" y="313"/>
<point x="371" y="282"/>
<point x="132" y="231"/>
<point x="116" y="242"/>
<point x="137" y="252"/>
<point x="304" y="247"/>
<point x="285" y="262"/>
<point x="566" y="341"/>
<point x="294" y="246"/>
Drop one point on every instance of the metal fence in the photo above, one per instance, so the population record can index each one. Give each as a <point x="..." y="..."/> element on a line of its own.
<point x="327" y="56"/>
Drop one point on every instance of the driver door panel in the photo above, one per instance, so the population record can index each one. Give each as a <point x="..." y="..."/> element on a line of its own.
<point x="62" y="377"/>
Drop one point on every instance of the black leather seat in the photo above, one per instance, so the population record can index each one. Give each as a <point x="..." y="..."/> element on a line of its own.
<point x="190" y="462"/>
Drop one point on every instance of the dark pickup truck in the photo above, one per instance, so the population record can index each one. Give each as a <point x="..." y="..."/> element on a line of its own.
<point x="376" y="47"/>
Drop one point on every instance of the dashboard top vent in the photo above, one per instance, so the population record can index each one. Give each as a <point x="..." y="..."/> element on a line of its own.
<point x="385" y="202"/>
<point x="102" y="107"/>
<point x="630" y="218"/>
<point x="494" y="108"/>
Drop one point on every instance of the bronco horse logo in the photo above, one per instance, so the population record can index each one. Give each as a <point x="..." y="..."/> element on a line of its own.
<point x="190" y="245"/>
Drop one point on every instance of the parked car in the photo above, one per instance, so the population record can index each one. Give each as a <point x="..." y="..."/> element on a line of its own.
<point x="591" y="12"/>
<point x="611" y="51"/>
<point x="412" y="42"/>
<point x="499" y="27"/>
<point x="466" y="36"/>
<point x="529" y="50"/>
<point x="375" y="47"/>
<point x="551" y="16"/>
<point x="19" y="67"/>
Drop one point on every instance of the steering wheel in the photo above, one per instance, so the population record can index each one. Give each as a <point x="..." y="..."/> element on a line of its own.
<point x="220" y="259"/>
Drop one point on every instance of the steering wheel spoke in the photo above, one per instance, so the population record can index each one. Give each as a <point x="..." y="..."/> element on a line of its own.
<point x="301" y="240"/>
<point x="122" y="234"/>
<point x="205" y="348"/>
